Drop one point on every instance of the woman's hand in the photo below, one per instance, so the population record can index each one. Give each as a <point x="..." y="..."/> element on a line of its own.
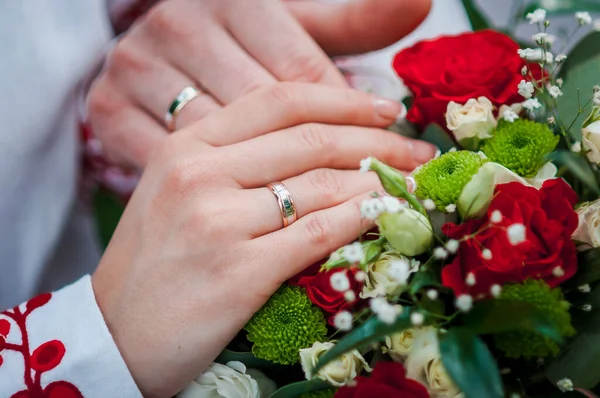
<point x="201" y="246"/>
<point x="228" y="48"/>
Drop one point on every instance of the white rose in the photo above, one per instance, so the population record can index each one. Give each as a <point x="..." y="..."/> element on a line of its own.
<point x="588" y="230"/>
<point x="388" y="275"/>
<point x="336" y="373"/>
<point x="398" y="345"/>
<point x="231" y="380"/>
<point x="591" y="141"/>
<point x="424" y="365"/>
<point x="473" y="120"/>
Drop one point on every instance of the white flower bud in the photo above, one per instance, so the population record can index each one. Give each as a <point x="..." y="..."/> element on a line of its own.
<point x="338" y="372"/>
<point x="339" y="281"/>
<point x="472" y="121"/>
<point x="343" y="321"/>
<point x="516" y="234"/>
<point x="464" y="302"/>
<point x="537" y="16"/>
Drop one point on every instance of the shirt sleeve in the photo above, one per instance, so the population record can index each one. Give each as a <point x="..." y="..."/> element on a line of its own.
<point x="58" y="345"/>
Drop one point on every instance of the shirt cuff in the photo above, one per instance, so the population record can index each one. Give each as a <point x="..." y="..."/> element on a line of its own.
<point x="58" y="343"/>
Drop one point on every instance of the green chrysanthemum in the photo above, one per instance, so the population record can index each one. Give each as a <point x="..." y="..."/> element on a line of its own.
<point x="521" y="146"/>
<point x="329" y="393"/>
<point x="443" y="179"/>
<point x="286" y="324"/>
<point x="552" y="303"/>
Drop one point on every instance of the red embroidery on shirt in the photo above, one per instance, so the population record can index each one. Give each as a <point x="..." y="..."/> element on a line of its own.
<point x="44" y="358"/>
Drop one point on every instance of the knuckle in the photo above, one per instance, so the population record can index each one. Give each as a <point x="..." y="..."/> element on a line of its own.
<point x="327" y="183"/>
<point x="283" y="93"/>
<point x="319" y="229"/>
<point x="163" y="21"/>
<point x="318" y="138"/>
<point x="126" y="57"/>
<point x="101" y="102"/>
<point x="181" y="177"/>
<point x="305" y="67"/>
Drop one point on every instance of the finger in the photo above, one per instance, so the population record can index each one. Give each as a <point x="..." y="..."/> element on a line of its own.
<point x="283" y="154"/>
<point x="359" y="26"/>
<point x="272" y="36"/>
<point x="206" y="52"/>
<point x="310" y="239"/>
<point x="153" y="84"/>
<point x="289" y="104"/>
<point x="312" y="191"/>
<point x="128" y="134"/>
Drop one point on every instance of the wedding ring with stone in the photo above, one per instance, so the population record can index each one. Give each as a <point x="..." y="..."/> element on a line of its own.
<point x="285" y="203"/>
<point x="183" y="98"/>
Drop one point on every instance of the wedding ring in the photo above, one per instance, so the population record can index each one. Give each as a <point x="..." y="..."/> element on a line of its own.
<point x="285" y="202"/>
<point x="186" y="95"/>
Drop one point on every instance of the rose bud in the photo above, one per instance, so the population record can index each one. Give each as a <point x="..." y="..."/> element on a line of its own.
<point x="408" y="232"/>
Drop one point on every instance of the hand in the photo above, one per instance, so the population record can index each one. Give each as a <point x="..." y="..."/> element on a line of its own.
<point x="200" y="247"/>
<point x="228" y="48"/>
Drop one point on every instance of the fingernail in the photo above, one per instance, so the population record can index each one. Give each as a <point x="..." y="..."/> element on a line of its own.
<point x="389" y="110"/>
<point x="411" y="184"/>
<point x="422" y="151"/>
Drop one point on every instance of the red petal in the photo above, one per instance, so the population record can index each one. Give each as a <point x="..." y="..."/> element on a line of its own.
<point x="38" y="301"/>
<point x="22" y="394"/>
<point x="4" y="327"/>
<point x="47" y="356"/>
<point x="62" y="389"/>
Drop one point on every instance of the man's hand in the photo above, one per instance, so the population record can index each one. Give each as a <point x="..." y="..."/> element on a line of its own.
<point x="228" y="48"/>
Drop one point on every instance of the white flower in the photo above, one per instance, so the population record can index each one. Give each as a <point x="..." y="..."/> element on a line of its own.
<point x="388" y="275"/>
<point x="565" y="385"/>
<point x="560" y="57"/>
<point x="424" y="365"/>
<point x="555" y="91"/>
<point x="353" y="253"/>
<point x="576" y="147"/>
<point x="470" y="281"/>
<point x="558" y="271"/>
<point x="540" y="38"/>
<point x="583" y="18"/>
<point x="349" y="295"/>
<point x="231" y="380"/>
<point x="496" y="217"/>
<point x="585" y="288"/>
<point x="524" y="71"/>
<point x="587" y="307"/>
<point x="452" y="246"/>
<point x="596" y="99"/>
<point x="440" y="253"/>
<point x="516" y="234"/>
<point x="365" y="164"/>
<point x="536" y="55"/>
<point x="532" y="104"/>
<point x="417" y="319"/>
<point x="588" y="230"/>
<point x="339" y="281"/>
<point x="509" y="115"/>
<point x="537" y="16"/>
<point x="338" y="372"/>
<point x="370" y="209"/>
<point x="591" y="141"/>
<point x="526" y="89"/>
<point x="432" y="294"/>
<point x="475" y="119"/>
<point x="398" y="345"/>
<point x="360" y="276"/>
<point x="486" y="254"/>
<point x="496" y="290"/>
<point x="464" y="302"/>
<point x="343" y="321"/>
<point x="429" y="204"/>
<point x="392" y="204"/>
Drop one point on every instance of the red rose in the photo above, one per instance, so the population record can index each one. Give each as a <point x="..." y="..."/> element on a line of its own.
<point x="457" y="68"/>
<point x="388" y="380"/>
<point x="548" y="252"/>
<point x="319" y="290"/>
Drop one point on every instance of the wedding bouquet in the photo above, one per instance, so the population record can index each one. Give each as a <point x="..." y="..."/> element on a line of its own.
<point x="481" y="277"/>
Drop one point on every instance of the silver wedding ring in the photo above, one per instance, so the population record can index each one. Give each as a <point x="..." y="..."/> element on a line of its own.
<point x="285" y="202"/>
<point x="183" y="98"/>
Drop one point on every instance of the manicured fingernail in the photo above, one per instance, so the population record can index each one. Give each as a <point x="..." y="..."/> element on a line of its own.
<point x="389" y="110"/>
<point x="422" y="151"/>
<point x="438" y="153"/>
<point x="411" y="184"/>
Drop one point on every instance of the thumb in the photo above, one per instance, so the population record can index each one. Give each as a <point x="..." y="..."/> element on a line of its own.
<point x="359" y="26"/>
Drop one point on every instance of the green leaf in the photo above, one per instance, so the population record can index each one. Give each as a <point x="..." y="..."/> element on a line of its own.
<point x="247" y="358"/>
<point x="579" y="360"/>
<point x="107" y="211"/>
<point x="423" y="278"/>
<point x="556" y="7"/>
<point x="362" y="336"/>
<point x="470" y="364"/>
<point x="578" y="167"/>
<point x="296" y="389"/>
<point x="498" y="316"/>
<point x="581" y="71"/>
<point x="436" y="135"/>
<point x="588" y="268"/>
<point x="478" y="21"/>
